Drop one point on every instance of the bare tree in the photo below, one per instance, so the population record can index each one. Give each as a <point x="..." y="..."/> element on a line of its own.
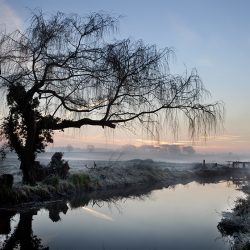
<point x="63" y="72"/>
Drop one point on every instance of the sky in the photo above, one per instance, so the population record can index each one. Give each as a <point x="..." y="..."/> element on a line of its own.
<point x="212" y="36"/>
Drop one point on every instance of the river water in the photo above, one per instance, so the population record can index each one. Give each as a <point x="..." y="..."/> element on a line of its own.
<point x="180" y="217"/>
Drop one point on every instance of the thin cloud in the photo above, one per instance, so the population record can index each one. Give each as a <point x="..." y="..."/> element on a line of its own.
<point x="150" y="142"/>
<point x="225" y="137"/>
<point x="241" y="141"/>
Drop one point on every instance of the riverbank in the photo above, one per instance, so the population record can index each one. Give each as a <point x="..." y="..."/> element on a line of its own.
<point x="236" y="224"/>
<point x="108" y="178"/>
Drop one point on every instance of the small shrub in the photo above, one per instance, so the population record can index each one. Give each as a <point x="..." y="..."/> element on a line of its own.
<point x="65" y="186"/>
<point x="6" y="181"/>
<point x="242" y="207"/>
<point x="80" y="180"/>
<point x="230" y="227"/>
<point x="8" y="196"/>
<point x="52" y="180"/>
<point x="40" y="191"/>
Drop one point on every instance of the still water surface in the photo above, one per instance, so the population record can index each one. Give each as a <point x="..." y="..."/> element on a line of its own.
<point x="183" y="217"/>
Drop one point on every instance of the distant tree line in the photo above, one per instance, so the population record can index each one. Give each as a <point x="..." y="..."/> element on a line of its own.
<point x="165" y="148"/>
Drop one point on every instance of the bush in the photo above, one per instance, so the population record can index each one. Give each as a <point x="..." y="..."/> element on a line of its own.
<point x="80" y="180"/>
<point x="6" y="195"/>
<point x="52" y="180"/>
<point x="6" y="181"/>
<point x="242" y="207"/>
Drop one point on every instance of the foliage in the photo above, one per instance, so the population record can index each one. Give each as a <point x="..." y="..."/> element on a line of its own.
<point x="52" y="180"/>
<point x="80" y="180"/>
<point x="242" y="206"/>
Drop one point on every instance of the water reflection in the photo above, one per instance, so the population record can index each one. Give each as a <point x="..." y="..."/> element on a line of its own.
<point x="22" y="237"/>
<point x="180" y="217"/>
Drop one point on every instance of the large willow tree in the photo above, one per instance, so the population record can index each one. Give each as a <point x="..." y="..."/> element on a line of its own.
<point x="66" y="72"/>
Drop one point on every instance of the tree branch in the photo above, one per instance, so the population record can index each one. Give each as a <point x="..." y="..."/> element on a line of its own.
<point x="53" y="125"/>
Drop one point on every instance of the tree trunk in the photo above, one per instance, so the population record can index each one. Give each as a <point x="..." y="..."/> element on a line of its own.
<point x="29" y="151"/>
<point x="27" y="167"/>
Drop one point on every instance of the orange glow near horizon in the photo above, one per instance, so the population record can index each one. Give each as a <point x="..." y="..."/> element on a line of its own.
<point x="218" y="144"/>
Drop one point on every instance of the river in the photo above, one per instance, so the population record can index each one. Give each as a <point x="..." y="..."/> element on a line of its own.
<point x="180" y="217"/>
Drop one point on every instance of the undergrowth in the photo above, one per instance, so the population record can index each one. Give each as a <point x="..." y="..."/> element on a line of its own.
<point x="50" y="187"/>
<point x="242" y="207"/>
<point x="80" y="180"/>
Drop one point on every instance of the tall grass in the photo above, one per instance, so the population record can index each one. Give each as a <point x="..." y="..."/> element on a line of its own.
<point x="80" y="180"/>
<point x="49" y="188"/>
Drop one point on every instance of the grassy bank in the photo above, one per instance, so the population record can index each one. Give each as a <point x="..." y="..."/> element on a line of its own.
<point x="136" y="174"/>
<point x="236" y="224"/>
<point x="51" y="188"/>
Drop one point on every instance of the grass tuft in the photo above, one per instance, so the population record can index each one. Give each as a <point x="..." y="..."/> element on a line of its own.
<point x="80" y="180"/>
<point x="52" y="180"/>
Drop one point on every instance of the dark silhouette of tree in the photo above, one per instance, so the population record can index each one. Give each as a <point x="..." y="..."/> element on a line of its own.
<point x="23" y="237"/>
<point x="66" y="72"/>
<point x="5" y="218"/>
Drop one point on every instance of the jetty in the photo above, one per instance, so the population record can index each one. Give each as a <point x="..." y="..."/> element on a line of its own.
<point x="238" y="164"/>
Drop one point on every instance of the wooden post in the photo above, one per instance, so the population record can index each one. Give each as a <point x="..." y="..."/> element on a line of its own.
<point x="204" y="164"/>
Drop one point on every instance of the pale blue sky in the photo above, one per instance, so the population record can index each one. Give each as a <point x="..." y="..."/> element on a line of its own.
<point x="212" y="36"/>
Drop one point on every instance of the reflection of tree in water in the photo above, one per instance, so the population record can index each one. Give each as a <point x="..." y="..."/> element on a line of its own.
<point x="5" y="219"/>
<point x="22" y="237"/>
<point x="54" y="212"/>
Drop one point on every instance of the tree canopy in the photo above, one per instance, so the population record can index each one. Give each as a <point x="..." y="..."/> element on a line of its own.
<point x="66" y="71"/>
